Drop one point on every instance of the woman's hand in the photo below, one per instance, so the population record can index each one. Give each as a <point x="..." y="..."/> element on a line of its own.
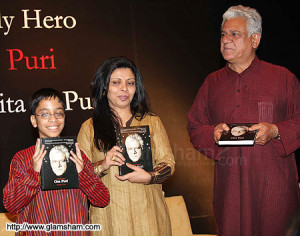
<point x="138" y="175"/>
<point x="38" y="156"/>
<point x="113" y="157"/>
<point x="77" y="158"/>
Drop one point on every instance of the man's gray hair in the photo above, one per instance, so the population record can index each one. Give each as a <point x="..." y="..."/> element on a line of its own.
<point x="253" y="18"/>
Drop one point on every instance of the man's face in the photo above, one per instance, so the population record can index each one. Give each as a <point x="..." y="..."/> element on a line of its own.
<point x="236" y="46"/>
<point x="58" y="162"/>
<point x="134" y="150"/>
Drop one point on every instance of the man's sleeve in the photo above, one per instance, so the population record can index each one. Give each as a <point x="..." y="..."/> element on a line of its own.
<point x="289" y="129"/>
<point x="199" y="127"/>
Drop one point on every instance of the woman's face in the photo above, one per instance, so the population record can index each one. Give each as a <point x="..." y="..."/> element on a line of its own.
<point x="121" y="88"/>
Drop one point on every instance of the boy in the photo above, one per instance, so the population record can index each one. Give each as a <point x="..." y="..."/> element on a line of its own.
<point x="22" y="193"/>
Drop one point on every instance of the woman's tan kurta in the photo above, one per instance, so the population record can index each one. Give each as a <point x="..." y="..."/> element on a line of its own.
<point x="134" y="209"/>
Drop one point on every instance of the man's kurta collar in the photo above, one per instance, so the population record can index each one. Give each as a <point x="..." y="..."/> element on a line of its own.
<point x="253" y="67"/>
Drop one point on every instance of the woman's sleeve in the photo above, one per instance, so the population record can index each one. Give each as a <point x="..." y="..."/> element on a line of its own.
<point x="86" y="143"/>
<point x="164" y="163"/>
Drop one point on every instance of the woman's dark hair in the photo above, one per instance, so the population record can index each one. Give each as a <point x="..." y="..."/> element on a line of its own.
<point x="44" y="93"/>
<point x="104" y="119"/>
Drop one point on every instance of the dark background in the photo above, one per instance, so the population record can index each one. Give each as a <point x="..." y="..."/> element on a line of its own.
<point x="174" y="43"/>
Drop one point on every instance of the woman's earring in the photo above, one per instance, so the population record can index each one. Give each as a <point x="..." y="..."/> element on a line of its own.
<point x="104" y="93"/>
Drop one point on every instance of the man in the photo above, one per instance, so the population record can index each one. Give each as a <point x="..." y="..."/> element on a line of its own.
<point x="256" y="187"/>
<point x="59" y="156"/>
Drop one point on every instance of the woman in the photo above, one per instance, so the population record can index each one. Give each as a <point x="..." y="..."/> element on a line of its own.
<point x="137" y="205"/>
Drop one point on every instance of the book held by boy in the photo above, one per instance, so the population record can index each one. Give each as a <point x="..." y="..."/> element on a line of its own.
<point x="136" y="145"/>
<point x="238" y="134"/>
<point x="58" y="170"/>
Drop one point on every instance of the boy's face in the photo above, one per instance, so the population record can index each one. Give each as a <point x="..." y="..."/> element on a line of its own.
<point x="50" y="127"/>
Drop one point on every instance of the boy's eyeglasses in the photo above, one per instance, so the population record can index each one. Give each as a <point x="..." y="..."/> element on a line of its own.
<point x="47" y="116"/>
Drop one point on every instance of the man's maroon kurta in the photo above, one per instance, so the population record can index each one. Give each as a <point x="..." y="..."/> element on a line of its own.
<point x="256" y="187"/>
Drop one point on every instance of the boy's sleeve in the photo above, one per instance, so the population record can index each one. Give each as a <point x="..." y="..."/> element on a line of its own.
<point x="92" y="186"/>
<point x="21" y="188"/>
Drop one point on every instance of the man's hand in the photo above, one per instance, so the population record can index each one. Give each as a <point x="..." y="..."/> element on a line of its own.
<point x="266" y="132"/>
<point x="218" y="131"/>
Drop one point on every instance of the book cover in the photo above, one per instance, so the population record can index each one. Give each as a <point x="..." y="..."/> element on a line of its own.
<point x="136" y="145"/>
<point x="58" y="170"/>
<point x="238" y="134"/>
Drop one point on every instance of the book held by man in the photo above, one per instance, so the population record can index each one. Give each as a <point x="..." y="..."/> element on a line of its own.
<point x="135" y="142"/>
<point x="58" y="170"/>
<point x="238" y="134"/>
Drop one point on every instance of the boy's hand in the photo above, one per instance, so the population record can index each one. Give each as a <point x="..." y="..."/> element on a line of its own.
<point x="77" y="158"/>
<point x="38" y="156"/>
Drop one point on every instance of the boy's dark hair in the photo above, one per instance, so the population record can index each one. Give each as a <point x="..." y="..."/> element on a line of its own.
<point x="43" y="94"/>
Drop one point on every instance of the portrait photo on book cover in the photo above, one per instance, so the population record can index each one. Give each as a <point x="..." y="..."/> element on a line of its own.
<point x="136" y="145"/>
<point x="59" y="158"/>
<point x="59" y="167"/>
<point x="136" y="149"/>
<point x="239" y="130"/>
<point x="58" y="170"/>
